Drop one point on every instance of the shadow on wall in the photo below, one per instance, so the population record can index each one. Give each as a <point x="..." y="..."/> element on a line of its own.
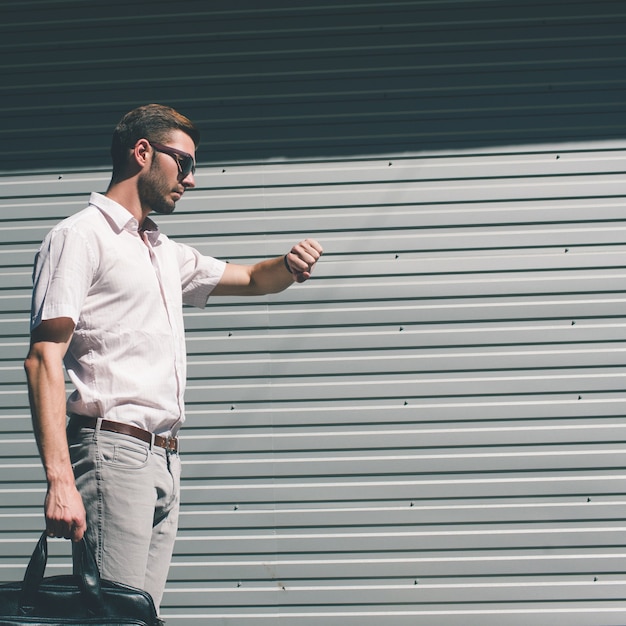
<point x="325" y="80"/>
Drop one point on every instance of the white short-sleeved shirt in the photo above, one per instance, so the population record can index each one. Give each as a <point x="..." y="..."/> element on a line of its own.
<point x="125" y="291"/>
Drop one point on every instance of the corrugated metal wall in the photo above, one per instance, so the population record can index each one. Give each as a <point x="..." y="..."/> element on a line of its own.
<point x="434" y="426"/>
<point x="292" y="79"/>
<point x="431" y="431"/>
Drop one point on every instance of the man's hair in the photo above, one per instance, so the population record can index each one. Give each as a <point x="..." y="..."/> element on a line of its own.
<point x="154" y="122"/>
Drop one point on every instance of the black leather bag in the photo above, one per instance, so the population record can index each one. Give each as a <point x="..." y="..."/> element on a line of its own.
<point x="72" y="600"/>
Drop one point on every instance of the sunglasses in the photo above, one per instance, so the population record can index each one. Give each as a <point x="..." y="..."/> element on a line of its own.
<point x="185" y="162"/>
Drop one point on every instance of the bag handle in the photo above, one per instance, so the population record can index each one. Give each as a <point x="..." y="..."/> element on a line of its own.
<point x="87" y="574"/>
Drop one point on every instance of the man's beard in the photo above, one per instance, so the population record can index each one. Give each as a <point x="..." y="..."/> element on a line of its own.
<point x="154" y="193"/>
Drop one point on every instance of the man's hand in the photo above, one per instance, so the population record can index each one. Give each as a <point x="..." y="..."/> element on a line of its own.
<point x="65" y="512"/>
<point x="272" y="275"/>
<point x="301" y="259"/>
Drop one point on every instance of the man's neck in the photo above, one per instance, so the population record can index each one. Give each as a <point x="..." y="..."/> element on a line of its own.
<point x="126" y="196"/>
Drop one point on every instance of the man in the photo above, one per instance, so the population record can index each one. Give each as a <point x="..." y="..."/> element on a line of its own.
<point x="107" y="303"/>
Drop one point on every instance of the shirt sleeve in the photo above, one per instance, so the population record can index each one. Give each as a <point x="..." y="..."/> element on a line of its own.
<point x="62" y="275"/>
<point x="199" y="275"/>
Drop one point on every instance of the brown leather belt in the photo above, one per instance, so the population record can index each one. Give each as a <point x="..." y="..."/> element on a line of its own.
<point x="169" y="443"/>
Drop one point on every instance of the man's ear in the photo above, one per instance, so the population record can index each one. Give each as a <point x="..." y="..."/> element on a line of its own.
<point x="142" y="153"/>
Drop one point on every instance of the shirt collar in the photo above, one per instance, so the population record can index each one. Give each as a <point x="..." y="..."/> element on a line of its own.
<point x="120" y="218"/>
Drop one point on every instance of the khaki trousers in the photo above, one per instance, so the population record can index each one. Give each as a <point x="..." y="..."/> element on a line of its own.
<point x="131" y="492"/>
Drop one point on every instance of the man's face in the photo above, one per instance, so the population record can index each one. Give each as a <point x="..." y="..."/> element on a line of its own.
<point x="163" y="184"/>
